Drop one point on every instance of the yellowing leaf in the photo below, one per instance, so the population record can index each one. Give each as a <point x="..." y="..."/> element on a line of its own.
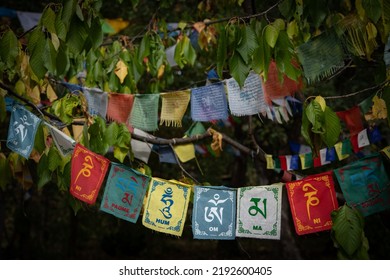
<point x="160" y="72"/>
<point x="379" y="109"/>
<point x="199" y="26"/>
<point x="55" y="41"/>
<point x="320" y="100"/>
<point x="51" y="94"/>
<point x="121" y="70"/>
<point x="371" y="31"/>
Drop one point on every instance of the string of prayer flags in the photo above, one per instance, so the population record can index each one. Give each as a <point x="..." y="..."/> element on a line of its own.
<point x="22" y="128"/>
<point x="209" y="103"/>
<point x="214" y="213"/>
<point x="144" y="114"/>
<point x="124" y="192"/>
<point x="166" y="206"/>
<point x="274" y="88"/>
<point x="321" y="56"/>
<point x="141" y="149"/>
<point x="259" y="211"/>
<point x="323" y="156"/>
<point x="119" y="107"/>
<point x="174" y="105"/>
<point x="87" y="174"/>
<point x="97" y="101"/>
<point x="353" y="119"/>
<point x="64" y="143"/>
<point x="248" y="100"/>
<point x="365" y="184"/>
<point x="312" y="201"/>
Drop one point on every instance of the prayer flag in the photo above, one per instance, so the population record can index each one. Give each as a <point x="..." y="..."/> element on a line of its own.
<point x="166" y="154"/>
<point x="321" y="56"/>
<point x="248" y="100"/>
<point x="353" y="119"/>
<point x="119" y="107"/>
<point x="174" y="106"/>
<point x="124" y="193"/>
<point x="214" y="213"/>
<point x="144" y="114"/>
<point x="312" y="201"/>
<point x="283" y="162"/>
<point x="374" y="135"/>
<point x="185" y="152"/>
<point x="270" y="162"/>
<point x="63" y="142"/>
<point x="323" y="153"/>
<point x="365" y="184"/>
<point x="259" y="211"/>
<point x="22" y="128"/>
<point x="294" y="162"/>
<point x="330" y="154"/>
<point x="141" y="149"/>
<point x="363" y="140"/>
<point x="166" y="206"/>
<point x="209" y="103"/>
<point x="97" y="101"/>
<point x="274" y="88"/>
<point x="87" y="174"/>
<point x="339" y="150"/>
<point x="306" y="160"/>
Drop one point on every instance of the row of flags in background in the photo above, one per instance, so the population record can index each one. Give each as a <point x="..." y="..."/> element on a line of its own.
<point x="218" y="212"/>
<point x="29" y="20"/>
<point x="207" y="103"/>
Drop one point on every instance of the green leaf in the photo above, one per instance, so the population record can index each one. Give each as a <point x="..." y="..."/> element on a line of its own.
<point x="238" y="68"/>
<point x="48" y="20"/>
<point x="373" y="9"/>
<point x="221" y="52"/>
<point x="271" y="35"/>
<point x="3" y="112"/>
<point x="286" y="8"/>
<point x="306" y="127"/>
<point x="120" y="153"/>
<point x="189" y="53"/>
<point x="95" y="33"/>
<point x="317" y="11"/>
<point x="62" y="61"/>
<point x="315" y="115"/>
<point x="55" y="159"/>
<point x="39" y="141"/>
<point x="111" y="134"/>
<point x="6" y="172"/>
<point x="37" y="59"/>
<point x="9" y="48"/>
<point x="75" y="204"/>
<point x="60" y="28"/>
<point x="76" y="36"/>
<point x="144" y="48"/>
<point x="279" y="24"/>
<point x="332" y="128"/>
<point x="248" y="43"/>
<point x="44" y="174"/>
<point x="292" y="29"/>
<point x="50" y="55"/>
<point x="347" y="228"/>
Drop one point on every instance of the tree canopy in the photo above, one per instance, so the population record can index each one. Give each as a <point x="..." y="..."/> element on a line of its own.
<point x="329" y="54"/>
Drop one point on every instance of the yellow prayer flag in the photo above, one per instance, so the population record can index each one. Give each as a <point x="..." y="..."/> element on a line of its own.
<point x="339" y="148"/>
<point x="386" y="151"/>
<point x="166" y="206"/>
<point x="185" y="152"/>
<point x="270" y="162"/>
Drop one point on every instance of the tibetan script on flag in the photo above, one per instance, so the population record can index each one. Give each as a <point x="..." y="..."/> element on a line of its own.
<point x="87" y="174"/>
<point x="23" y="126"/>
<point x="259" y="211"/>
<point x="166" y="206"/>
<point x="124" y="193"/>
<point x="214" y="213"/>
<point x="312" y="200"/>
<point x="365" y="185"/>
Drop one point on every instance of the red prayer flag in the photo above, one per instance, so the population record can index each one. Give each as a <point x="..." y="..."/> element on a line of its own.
<point x="353" y="119"/>
<point x="283" y="162"/>
<point x="355" y="143"/>
<point x="119" y="108"/>
<point x="312" y="201"/>
<point x="87" y="174"/>
<point x="274" y="88"/>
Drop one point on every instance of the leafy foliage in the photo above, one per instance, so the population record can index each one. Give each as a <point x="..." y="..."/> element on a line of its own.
<point x="348" y="234"/>
<point x="320" y="124"/>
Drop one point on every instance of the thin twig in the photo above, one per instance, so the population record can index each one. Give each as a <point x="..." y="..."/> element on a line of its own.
<point x="181" y="166"/>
